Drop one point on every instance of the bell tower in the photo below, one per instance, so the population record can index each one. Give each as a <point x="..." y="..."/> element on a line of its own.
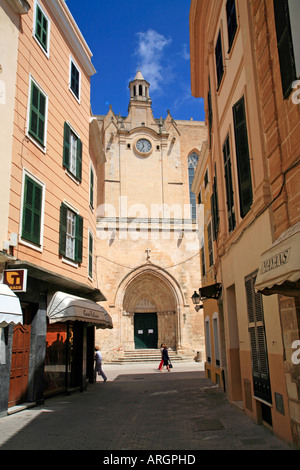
<point x="139" y="90"/>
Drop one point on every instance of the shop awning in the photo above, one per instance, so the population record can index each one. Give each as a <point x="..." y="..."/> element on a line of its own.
<point x="279" y="271"/>
<point x="65" y="307"/>
<point x="10" y="307"/>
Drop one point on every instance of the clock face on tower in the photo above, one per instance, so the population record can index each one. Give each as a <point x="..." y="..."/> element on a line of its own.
<point x="143" y="146"/>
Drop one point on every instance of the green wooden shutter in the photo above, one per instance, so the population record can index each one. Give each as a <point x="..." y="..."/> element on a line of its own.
<point x="32" y="211"/>
<point x="90" y="255"/>
<point x="243" y="159"/>
<point x="79" y="239"/>
<point x="63" y="229"/>
<point x="66" y="151"/>
<point x="285" y="46"/>
<point x="79" y="160"/>
<point x="214" y="201"/>
<point x="219" y="59"/>
<point x="231" y="21"/>
<point x="258" y="344"/>
<point x="210" y="112"/>
<point x="41" y="28"/>
<point x="228" y="184"/>
<point x="37" y="117"/>
<point x="92" y="187"/>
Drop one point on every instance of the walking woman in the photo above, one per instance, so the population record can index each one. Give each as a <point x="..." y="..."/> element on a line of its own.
<point x="165" y="357"/>
<point x="161" y="361"/>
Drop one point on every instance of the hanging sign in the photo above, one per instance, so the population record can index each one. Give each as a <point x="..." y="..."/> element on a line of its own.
<point x="16" y="279"/>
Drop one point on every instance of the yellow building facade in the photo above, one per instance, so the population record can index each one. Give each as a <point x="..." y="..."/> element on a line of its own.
<point x="226" y="38"/>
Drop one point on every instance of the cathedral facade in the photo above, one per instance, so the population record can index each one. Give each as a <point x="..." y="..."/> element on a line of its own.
<point x="147" y="233"/>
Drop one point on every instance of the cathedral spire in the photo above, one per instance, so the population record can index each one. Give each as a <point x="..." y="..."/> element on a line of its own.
<point x="139" y="89"/>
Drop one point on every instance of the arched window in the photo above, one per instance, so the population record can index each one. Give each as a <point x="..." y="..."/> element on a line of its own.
<point x="140" y="90"/>
<point x="192" y="163"/>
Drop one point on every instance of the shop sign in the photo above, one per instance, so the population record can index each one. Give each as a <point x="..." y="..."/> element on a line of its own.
<point x="275" y="261"/>
<point x="16" y="279"/>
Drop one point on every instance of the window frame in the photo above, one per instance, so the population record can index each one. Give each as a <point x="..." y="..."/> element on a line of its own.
<point x="72" y="62"/>
<point x="231" y="33"/>
<point x="79" y="222"/>
<point x="22" y="239"/>
<point x="29" y="133"/>
<point x="68" y="132"/>
<point x="46" y="50"/>
<point x="90" y="255"/>
<point x="226" y="150"/>
<point x="92" y="187"/>
<point x="219" y="59"/>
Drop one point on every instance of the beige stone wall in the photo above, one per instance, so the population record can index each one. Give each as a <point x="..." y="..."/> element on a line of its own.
<point x="153" y="192"/>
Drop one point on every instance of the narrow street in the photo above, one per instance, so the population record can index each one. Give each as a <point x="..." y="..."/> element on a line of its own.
<point x="138" y="408"/>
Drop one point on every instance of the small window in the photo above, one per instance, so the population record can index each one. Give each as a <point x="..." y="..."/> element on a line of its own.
<point x="32" y="211"/>
<point x="71" y="234"/>
<point x="91" y="249"/>
<point x="42" y="28"/>
<point x="92" y="177"/>
<point x="210" y="244"/>
<point x="72" y="154"/>
<point x="75" y="79"/>
<point x="231" y="21"/>
<point x="219" y="59"/>
<point x="37" y="114"/>
<point x="192" y="163"/>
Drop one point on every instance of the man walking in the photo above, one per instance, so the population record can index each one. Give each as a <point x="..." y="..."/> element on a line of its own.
<point x="98" y="365"/>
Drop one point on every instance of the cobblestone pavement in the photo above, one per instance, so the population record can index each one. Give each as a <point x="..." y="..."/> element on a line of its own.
<point x="139" y="408"/>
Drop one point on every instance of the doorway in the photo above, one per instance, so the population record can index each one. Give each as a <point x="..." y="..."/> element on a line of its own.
<point x="20" y="360"/>
<point x="145" y="331"/>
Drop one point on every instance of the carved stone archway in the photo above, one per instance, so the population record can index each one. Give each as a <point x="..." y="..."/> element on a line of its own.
<point x="149" y="289"/>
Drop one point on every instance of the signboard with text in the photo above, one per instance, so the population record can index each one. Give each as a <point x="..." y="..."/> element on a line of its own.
<point x="16" y="279"/>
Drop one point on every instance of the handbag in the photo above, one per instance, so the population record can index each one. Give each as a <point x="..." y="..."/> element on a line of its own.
<point x="170" y="365"/>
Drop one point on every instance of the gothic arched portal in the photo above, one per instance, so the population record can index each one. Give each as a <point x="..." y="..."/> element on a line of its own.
<point x="150" y="302"/>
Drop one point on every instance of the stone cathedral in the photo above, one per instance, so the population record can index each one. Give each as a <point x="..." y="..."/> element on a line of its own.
<point x="148" y="260"/>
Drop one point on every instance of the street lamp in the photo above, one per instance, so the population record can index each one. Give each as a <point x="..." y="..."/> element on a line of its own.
<point x="196" y="298"/>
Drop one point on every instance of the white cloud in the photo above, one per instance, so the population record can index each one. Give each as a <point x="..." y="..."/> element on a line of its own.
<point x="150" y="53"/>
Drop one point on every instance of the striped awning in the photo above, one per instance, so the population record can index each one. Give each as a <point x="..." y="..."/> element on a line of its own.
<point x="10" y="307"/>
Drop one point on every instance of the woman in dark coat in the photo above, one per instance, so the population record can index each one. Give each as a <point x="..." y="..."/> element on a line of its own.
<point x="165" y="357"/>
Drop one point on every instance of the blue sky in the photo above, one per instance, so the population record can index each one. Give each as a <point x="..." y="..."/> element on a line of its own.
<point x="147" y="35"/>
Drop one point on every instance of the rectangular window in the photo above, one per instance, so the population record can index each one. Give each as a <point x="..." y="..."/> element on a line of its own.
<point x="75" y="79"/>
<point x="71" y="234"/>
<point x="231" y="21"/>
<point x="210" y="244"/>
<point x="202" y="252"/>
<point x="207" y="341"/>
<point x="219" y="59"/>
<point x="259" y="354"/>
<point x="228" y="184"/>
<point x="285" y="46"/>
<point x="42" y="28"/>
<point x="210" y="113"/>
<point x="37" y="114"/>
<point x="216" y="341"/>
<point x="214" y="201"/>
<point x="243" y="157"/>
<point x="32" y="211"/>
<point x="92" y="187"/>
<point x="91" y="249"/>
<point x="72" y="153"/>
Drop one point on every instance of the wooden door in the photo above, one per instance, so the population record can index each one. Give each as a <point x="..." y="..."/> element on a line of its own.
<point x="19" y="363"/>
<point x="145" y="330"/>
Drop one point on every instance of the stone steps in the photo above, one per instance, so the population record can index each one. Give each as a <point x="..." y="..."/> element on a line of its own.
<point x="147" y="355"/>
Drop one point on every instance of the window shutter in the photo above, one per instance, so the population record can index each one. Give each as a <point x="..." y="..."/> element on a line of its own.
<point x="66" y="152"/>
<point x="79" y="160"/>
<point x="243" y="159"/>
<point x="79" y="239"/>
<point x="285" y="46"/>
<point x="32" y="211"/>
<point x="210" y="113"/>
<point x="63" y="229"/>
<point x="219" y="59"/>
<point x="41" y="29"/>
<point x="258" y="344"/>
<point x="92" y="188"/>
<point x="37" y="114"/>
<point x="90" y="255"/>
<point x="231" y="21"/>
<point x="215" y="208"/>
<point x="228" y="184"/>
